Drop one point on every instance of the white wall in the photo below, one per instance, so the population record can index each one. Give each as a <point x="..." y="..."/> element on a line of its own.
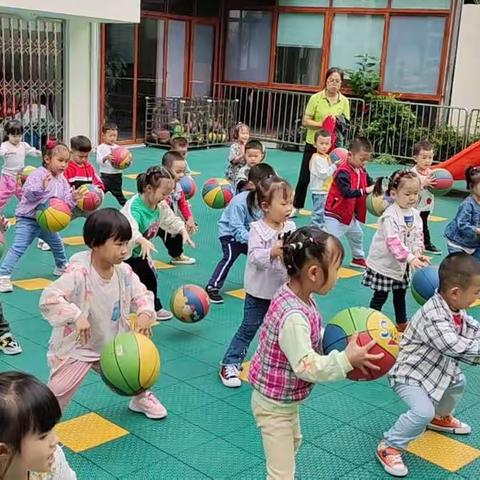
<point x="100" y="10"/>
<point x="466" y="82"/>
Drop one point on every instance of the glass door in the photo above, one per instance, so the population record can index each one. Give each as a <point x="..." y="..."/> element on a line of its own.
<point x="202" y="59"/>
<point x="176" y="58"/>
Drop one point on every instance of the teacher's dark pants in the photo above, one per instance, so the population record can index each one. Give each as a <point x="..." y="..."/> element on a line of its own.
<point x="303" y="177"/>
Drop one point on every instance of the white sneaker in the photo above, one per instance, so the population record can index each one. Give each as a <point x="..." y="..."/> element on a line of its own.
<point x="8" y="345"/>
<point x="59" y="271"/>
<point x="164" y="314"/>
<point x="182" y="260"/>
<point x="230" y="376"/>
<point x="5" y="284"/>
<point x="44" y="246"/>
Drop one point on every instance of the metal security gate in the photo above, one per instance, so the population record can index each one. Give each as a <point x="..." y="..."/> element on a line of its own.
<point x="31" y="76"/>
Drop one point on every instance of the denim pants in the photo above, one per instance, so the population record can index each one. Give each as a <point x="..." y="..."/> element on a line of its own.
<point x="353" y="232"/>
<point x="451" y="249"/>
<point x="318" y="211"/>
<point x="26" y="231"/>
<point x="253" y="312"/>
<point x="410" y="425"/>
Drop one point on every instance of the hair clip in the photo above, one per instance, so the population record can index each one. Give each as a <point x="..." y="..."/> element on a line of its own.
<point x="51" y="143"/>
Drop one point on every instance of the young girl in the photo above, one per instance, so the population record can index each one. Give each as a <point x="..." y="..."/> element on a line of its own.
<point x="233" y="228"/>
<point x="288" y="360"/>
<point x="14" y="152"/>
<point x="90" y="303"/>
<point x="264" y="272"/>
<point x="397" y="245"/>
<point x="44" y="183"/>
<point x="463" y="232"/>
<point x="29" y="447"/>
<point x="236" y="156"/>
<point x="147" y="212"/>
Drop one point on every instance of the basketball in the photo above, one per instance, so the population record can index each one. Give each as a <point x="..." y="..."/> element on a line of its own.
<point x="338" y="154"/>
<point x="424" y="283"/>
<point x="217" y="192"/>
<point x="130" y="363"/>
<point x="370" y="325"/>
<point x="92" y="198"/>
<point x="53" y="215"/>
<point x="376" y="204"/>
<point x="212" y="137"/>
<point x="444" y="181"/>
<point x="121" y="158"/>
<point x="189" y="186"/>
<point x="190" y="303"/>
<point x="22" y="176"/>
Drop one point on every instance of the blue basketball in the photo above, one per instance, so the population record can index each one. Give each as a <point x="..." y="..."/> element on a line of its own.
<point x="424" y="283"/>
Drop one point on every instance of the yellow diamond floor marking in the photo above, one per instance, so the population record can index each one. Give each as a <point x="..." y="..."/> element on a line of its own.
<point x="162" y="265"/>
<point x="244" y="372"/>
<point x="74" y="241"/>
<point x="127" y="193"/>
<point x="348" y="273"/>
<point x="132" y="176"/>
<point x="240" y="293"/>
<point x="443" y="451"/>
<point x="476" y="303"/>
<point x="433" y="218"/>
<point x="32" y="283"/>
<point x="12" y="220"/>
<point x="372" y="225"/>
<point x="304" y="212"/>
<point x="88" y="431"/>
<point x="194" y="173"/>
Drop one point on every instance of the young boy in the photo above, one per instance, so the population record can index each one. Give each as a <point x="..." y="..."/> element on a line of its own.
<point x="321" y="171"/>
<point x="175" y="162"/>
<point x="346" y="205"/>
<point x="8" y="343"/>
<point x="423" y="158"/>
<point x="180" y="145"/>
<point x="254" y="154"/>
<point x="426" y="375"/>
<point x="111" y="176"/>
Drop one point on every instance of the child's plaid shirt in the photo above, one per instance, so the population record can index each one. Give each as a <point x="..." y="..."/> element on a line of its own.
<point x="432" y="346"/>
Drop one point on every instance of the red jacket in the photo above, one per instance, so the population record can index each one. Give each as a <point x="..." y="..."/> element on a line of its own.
<point x="78" y="175"/>
<point x="347" y="198"/>
<point x="179" y="203"/>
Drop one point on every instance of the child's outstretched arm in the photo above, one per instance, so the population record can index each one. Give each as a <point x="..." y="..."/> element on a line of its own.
<point x="345" y="186"/>
<point x="142" y="304"/>
<point x="29" y="150"/>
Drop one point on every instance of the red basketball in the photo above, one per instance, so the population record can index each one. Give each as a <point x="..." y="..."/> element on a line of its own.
<point x="121" y="158"/>
<point x="443" y="181"/>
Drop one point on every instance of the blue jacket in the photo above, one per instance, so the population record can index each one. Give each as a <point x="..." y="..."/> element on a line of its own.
<point x="462" y="230"/>
<point x="235" y="220"/>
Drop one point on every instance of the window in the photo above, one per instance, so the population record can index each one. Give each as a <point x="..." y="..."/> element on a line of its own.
<point x="299" y="48"/>
<point x="248" y="46"/>
<point x="414" y="54"/>
<point x="202" y="60"/>
<point x="360" y="3"/>
<point x="367" y="30"/>
<point x="423" y="4"/>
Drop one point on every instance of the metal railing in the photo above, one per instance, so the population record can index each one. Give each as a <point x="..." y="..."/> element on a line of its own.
<point x="474" y="123"/>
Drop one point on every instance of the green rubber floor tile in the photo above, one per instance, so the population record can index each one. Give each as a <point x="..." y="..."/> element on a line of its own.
<point x="125" y="455"/>
<point x="220" y="418"/>
<point x="313" y="463"/>
<point x="340" y="442"/>
<point x="471" y="417"/>
<point x="318" y="390"/>
<point x="241" y="398"/>
<point x="33" y="359"/>
<point x="166" y="354"/>
<point x="5" y="367"/>
<point x="397" y="408"/>
<point x="212" y="385"/>
<point x="213" y="356"/>
<point x="167" y="468"/>
<point x="164" y="381"/>
<point x="218" y="459"/>
<point x="181" y="398"/>
<point x="97" y="395"/>
<point x="13" y="314"/>
<point x="185" y="342"/>
<point x="469" y="400"/>
<point x="248" y="439"/>
<point x="375" y="423"/>
<point x="38" y="332"/>
<point x="370" y="393"/>
<point x="314" y="424"/>
<point x="363" y="474"/>
<point x="85" y="468"/>
<point x="258" y="472"/>
<point x="187" y="368"/>
<point x="74" y="410"/>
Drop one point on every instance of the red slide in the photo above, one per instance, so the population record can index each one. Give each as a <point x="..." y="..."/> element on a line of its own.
<point x="457" y="164"/>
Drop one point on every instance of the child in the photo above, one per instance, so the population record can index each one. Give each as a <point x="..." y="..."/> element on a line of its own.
<point x="176" y="163"/>
<point x="423" y="158"/>
<point x="42" y="184"/>
<point x="233" y="228"/>
<point x="28" y="443"/>
<point x="90" y="303"/>
<point x="14" y="152"/>
<point x="180" y="145"/>
<point x="321" y="171"/>
<point x="463" y="232"/>
<point x="288" y="360"/>
<point x="397" y="246"/>
<point x="147" y="212"/>
<point x="426" y="375"/>
<point x="8" y="344"/>
<point x="264" y="272"/>
<point x="346" y="205"/>
<point x="236" y="156"/>
<point x="254" y="154"/>
<point x="111" y="176"/>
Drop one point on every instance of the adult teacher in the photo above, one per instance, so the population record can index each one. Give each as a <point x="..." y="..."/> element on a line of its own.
<point x="321" y="105"/>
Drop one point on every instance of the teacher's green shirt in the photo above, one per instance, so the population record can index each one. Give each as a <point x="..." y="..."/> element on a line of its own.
<point x="319" y="108"/>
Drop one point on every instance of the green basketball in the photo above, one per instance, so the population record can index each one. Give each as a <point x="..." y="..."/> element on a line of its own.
<point x="130" y="363"/>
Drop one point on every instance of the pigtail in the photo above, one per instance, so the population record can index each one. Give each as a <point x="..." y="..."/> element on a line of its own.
<point x="378" y="186"/>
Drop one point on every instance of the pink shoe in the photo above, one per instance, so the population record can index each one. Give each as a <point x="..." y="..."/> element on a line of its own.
<point x="148" y="404"/>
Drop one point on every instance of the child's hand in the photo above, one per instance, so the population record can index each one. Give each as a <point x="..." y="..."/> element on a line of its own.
<point x="46" y="181"/>
<point x="144" y="324"/>
<point x="191" y="226"/>
<point x="277" y="249"/>
<point x="4" y="224"/>
<point x="369" y="189"/>
<point x="107" y="158"/>
<point x="429" y="181"/>
<point x="83" y="330"/>
<point x="420" y="262"/>
<point x="77" y="195"/>
<point x="186" y="238"/>
<point x="359" y="357"/>
<point x="146" y="246"/>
